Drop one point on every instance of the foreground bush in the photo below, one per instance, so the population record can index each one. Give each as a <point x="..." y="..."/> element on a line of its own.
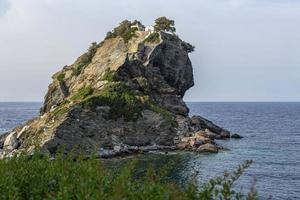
<point x="66" y="177"/>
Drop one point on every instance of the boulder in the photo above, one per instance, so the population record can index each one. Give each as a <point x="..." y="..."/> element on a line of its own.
<point x="208" y="148"/>
<point x="236" y="136"/>
<point x="225" y="134"/>
<point x="195" y="140"/>
<point x="182" y="145"/>
<point x="2" y="139"/>
<point x="201" y="123"/>
<point x="211" y="135"/>
<point x="198" y="143"/>
<point x="11" y="142"/>
<point x="106" y="153"/>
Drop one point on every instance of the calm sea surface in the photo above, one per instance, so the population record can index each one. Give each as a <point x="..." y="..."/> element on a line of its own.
<point x="271" y="139"/>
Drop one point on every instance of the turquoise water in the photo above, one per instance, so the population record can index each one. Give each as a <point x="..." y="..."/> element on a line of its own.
<point x="271" y="139"/>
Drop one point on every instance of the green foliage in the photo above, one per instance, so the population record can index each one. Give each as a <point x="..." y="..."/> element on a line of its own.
<point x="121" y="99"/>
<point x="61" y="77"/>
<point x="153" y="38"/>
<point x="60" y="110"/>
<point x="75" y="177"/>
<point x="85" y="59"/>
<point x="64" y="102"/>
<point x="124" y="30"/>
<point x="82" y="93"/>
<point x="109" y="75"/>
<point x="127" y="35"/>
<point x="164" y="24"/>
<point x="222" y="187"/>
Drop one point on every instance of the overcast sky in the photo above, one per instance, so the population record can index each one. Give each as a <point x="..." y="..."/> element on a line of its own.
<point x="246" y="50"/>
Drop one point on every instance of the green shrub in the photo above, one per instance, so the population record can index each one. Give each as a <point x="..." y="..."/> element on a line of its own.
<point x="82" y="93"/>
<point x="60" y="110"/>
<point x="119" y="97"/>
<point x="78" y="68"/>
<point x="61" y="77"/>
<point x="153" y="38"/>
<point x="75" y="177"/>
<point x="64" y="102"/>
<point x="85" y="59"/>
<point x="124" y="30"/>
<point x="109" y="75"/>
<point x="164" y="24"/>
<point x="123" y="102"/>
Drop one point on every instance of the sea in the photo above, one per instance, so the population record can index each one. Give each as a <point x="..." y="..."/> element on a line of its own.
<point x="271" y="134"/>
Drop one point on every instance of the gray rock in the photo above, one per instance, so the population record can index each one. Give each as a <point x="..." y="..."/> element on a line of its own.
<point x="212" y="135"/>
<point x="2" y="139"/>
<point x="106" y="153"/>
<point x="118" y="148"/>
<point x="200" y="123"/>
<point x="208" y="148"/>
<point x="225" y="134"/>
<point x="236" y="136"/>
<point x="198" y="143"/>
<point x="11" y="142"/>
<point x="23" y="130"/>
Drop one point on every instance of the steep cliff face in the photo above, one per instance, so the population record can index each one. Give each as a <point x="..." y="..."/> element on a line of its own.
<point x="122" y="95"/>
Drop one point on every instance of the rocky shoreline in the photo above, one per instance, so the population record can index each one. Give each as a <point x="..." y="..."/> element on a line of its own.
<point x="202" y="141"/>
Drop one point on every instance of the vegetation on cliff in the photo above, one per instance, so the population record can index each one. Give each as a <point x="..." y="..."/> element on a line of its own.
<point x="61" y="77"/>
<point x="164" y="24"/>
<point x="124" y="30"/>
<point x="121" y="99"/>
<point x="153" y="38"/>
<point x="69" y="177"/>
<point x="85" y="59"/>
<point x="109" y="75"/>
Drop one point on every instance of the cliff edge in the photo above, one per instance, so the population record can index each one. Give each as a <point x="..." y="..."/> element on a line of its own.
<point x="124" y="95"/>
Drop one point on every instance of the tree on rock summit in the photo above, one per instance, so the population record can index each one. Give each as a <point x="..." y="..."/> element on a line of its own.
<point x="164" y="24"/>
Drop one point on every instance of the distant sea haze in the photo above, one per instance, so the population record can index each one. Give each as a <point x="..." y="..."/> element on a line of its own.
<point x="271" y="139"/>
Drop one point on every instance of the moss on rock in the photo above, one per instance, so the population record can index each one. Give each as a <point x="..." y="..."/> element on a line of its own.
<point x="124" y="30"/>
<point x="153" y="38"/>
<point x="61" y="77"/>
<point x="123" y="102"/>
<point x="85" y="59"/>
<point x="109" y="75"/>
<point x="82" y="93"/>
<point x="60" y="110"/>
<point x="121" y="99"/>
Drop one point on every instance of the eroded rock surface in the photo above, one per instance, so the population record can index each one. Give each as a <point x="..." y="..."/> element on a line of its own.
<point x="122" y="96"/>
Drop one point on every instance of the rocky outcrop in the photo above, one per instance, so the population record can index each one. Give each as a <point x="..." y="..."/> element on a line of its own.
<point x="125" y="95"/>
<point x="236" y="136"/>
<point x="2" y="139"/>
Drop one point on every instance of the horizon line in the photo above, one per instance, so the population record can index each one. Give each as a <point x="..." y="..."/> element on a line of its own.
<point x="193" y="101"/>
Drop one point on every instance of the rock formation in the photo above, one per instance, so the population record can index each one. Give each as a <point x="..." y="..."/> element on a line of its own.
<point x="124" y="95"/>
